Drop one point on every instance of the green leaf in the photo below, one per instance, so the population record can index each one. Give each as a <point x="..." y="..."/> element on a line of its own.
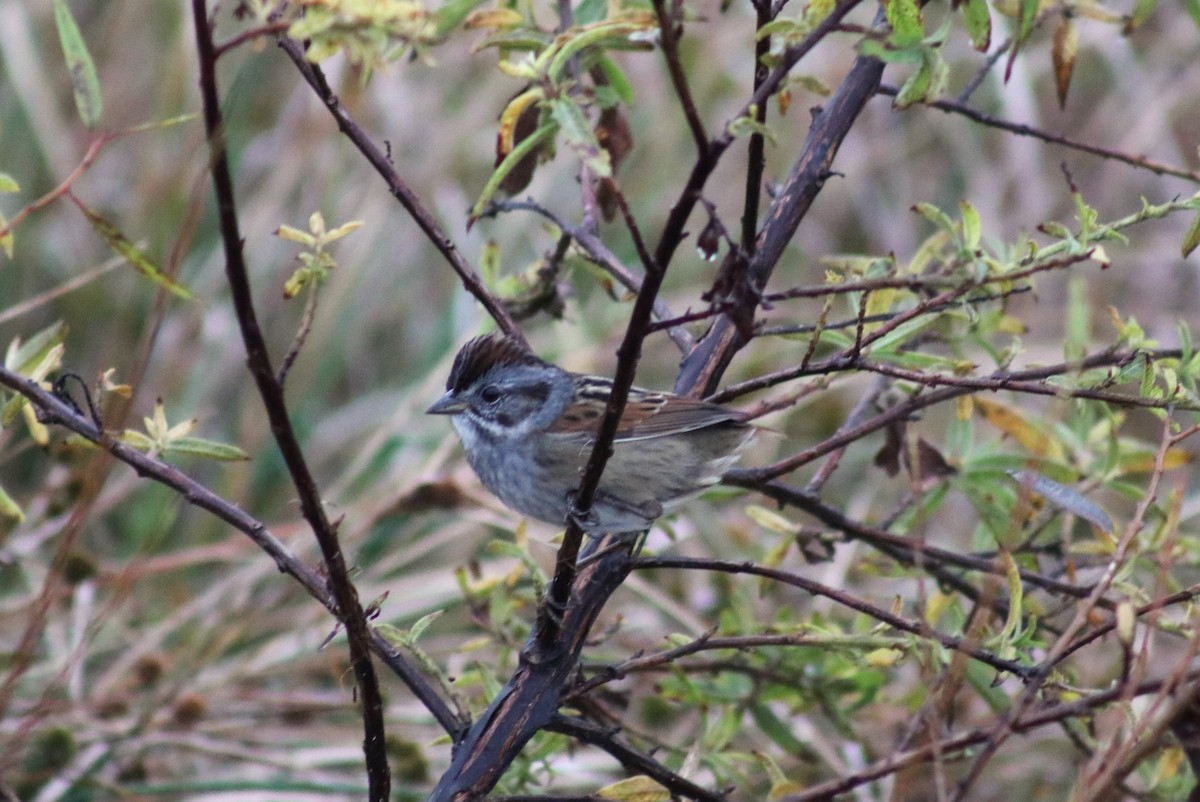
<point x="639" y="788"/>
<point x="1193" y="10"/>
<point x="579" y="135"/>
<point x="1078" y="321"/>
<point x="10" y="509"/>
<point x="905" y="331"/>
<point x="971" y="225"/>
<point x="6" y="239"/>
<point x="84" y="83"/>
<point x="526" y="146"/>
<point x="776" y="730"/>
<point x="746" y="125"/>
<point x="591" y="11"/>
<point x="905" y="18"/>
<point x="916" y="87"/>
<point x="8" y="183"/>
<point x="422" y="624"/>
<point x="451" y="15"/>
<point x="979" y="24"/>
<point x="606" y="34"/>
<point x="617" y="79"/>
<point x="1026" y="18"/>
<point x="136" y="259"/>
<point x="936" y="216"/>
<point x="23" y="357"/>
<point x="209" y="449"/>
<point x="1192" y="238"/>
<point x="1142" y="9"/>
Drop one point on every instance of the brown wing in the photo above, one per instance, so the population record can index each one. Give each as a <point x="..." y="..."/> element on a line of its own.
<point x="647" y="415"/>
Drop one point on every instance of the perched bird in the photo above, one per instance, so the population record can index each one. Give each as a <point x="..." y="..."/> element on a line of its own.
<point x="528" y="427"/>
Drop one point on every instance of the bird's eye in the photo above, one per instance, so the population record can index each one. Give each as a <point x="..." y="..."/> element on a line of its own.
<point x="490" y="394"/>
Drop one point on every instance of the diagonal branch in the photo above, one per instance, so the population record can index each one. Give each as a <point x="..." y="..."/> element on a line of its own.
<point x="53" y="410"/>
<point x="441" y="240"/>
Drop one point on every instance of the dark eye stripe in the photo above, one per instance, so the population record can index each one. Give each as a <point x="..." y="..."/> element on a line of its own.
<point x="536" y="392"/>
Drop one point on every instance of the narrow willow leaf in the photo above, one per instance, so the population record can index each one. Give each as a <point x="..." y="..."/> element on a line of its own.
<point x="578" y="133"/>
<point x="617" y="79"/>
<point x="136" y="259"/>
<point x="916" y="87"/>
<point x="1025" y="20"/>
<point x="771" y="520"/>
<point x="605" y="34"/>
<point x="509" y="117"/>
<point x="635" y="789"/>
<point x="546" y="131"/>
<point x="1064" y="498"/>
<point x="1012" y="422"/>
<point x="24" y="357"/>
<point x="1015" y="594"/>
<point x="936" y="216"/>
<point x="84" y="83"/>
<point x="972" y="228"/>
<point x="501" y="19"/>
<point x="422" y="624"/>
<point x="1142" y="9"/>
<point x="209" y="449"/>
<point x="451" y="15"/>
<point x="10" y="509"/>
<point x="979" y="24"/>
<point x="1192" y="238"/>
<point x="6" y="239"/>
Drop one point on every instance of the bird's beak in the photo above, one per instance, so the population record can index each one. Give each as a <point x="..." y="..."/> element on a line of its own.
<point x="446" y="405"/>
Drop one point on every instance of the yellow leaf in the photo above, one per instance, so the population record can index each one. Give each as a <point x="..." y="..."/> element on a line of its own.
<point x="883" y="658"/>
<point x="37" y="429"/>
<point x="635" y="789"/>
<point x="771" y="520"/>
<point x="494" y="19"/>
<point x="1010" y="421"/>
<point x="509" y="117"/>
<point x="1144" y="462"/>
<point x="935" y="605"/>
<point x="964" y="405"/>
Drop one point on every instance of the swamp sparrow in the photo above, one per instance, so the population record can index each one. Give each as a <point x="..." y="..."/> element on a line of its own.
<point x="528" y="427"/>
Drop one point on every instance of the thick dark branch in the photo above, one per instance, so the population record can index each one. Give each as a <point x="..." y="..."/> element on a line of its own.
<point x="530" y="699"/>
<point x="702" y="368"/>
<point x="756" y="150"/>
<point x="258" y="360"/>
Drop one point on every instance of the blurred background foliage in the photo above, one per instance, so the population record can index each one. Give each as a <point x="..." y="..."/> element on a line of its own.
<point x="174" y="662"/>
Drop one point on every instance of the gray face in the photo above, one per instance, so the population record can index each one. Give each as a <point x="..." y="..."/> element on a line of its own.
<point x="517" y="400"/>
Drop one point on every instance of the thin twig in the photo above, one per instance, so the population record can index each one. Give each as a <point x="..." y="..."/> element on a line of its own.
<point x="400" y="190"/>
<point x="1141" y="162"/>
